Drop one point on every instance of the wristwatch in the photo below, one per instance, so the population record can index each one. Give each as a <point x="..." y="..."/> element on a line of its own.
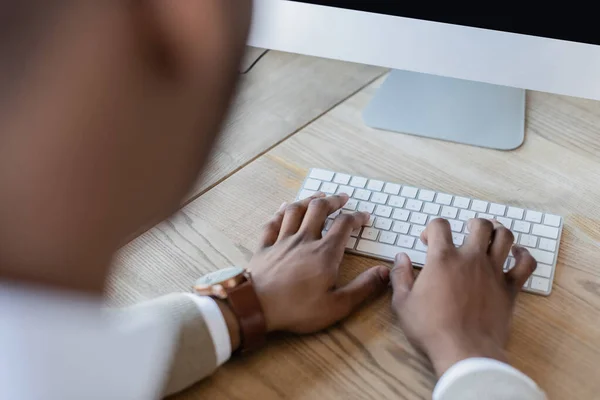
<point x="235" y="286"/>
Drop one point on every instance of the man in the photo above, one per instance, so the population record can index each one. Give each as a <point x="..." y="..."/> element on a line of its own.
<point x="109" y="111"/>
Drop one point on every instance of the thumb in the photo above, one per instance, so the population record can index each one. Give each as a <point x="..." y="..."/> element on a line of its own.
<point x="371" y="282"/>
<point x="402" y="277"/>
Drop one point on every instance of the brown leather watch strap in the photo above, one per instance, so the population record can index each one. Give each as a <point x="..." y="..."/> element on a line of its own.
<point x="245" y="305"/>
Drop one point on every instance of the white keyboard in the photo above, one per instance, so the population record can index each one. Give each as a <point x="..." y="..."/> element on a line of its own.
<point x="399" y="213"/>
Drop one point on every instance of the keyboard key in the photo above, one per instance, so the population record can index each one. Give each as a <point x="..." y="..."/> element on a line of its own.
<point x="351" y="205"/>
<point x="358" y="181"/>
<point x="321" y="174"/>
<point x="406" y="241"/>
<point x="514" y="212"/>
<point x="342" y="179"/>
<point x="543" y="270"/>
<point x="351" y="243"/>
<point x="401" y="215"/>
<point x="466" y="215"/>
<point x="365" y="206"/>
<point x="328" y="187"/>
<point x="497" y="209"/>
<point x="387" y="237"/>
<point x="449" y="212"/>
<point x="346" y="189"/>
<point x="396" y="201"/>
<point x="431" y="208"/>
<point x="456" y="226"/>
<point x="485" y="216"/>
<point x="552" y="220"/>
<point x="418" y="218"/>
<point x="312" y="184"/>
<point x="509" y="264"/>
<point x="356" y="232"/>
<point x="370" y="233"/>
<point x="328" y="224"/>
<point x="383" y="223"/>
<point x="362" y="194"/>
<point x="371" y="221"/>
<point x="389" y="251"/>
<point x="375" y="185"/>
<point x="414" y="205"/>
<point x="521" y="226"/>
<point x="426" y="195"/>
<point x="420" y="246"/>
<point x="392" y="188"/>
<point x="401" y="227"/>
<point x="542" y="256"/>
<point x="380" y="198"/>
<point x="461" y="202"/>
<point x="416" y="230"/>
<point x="533" y="216"/>
<point x="528" y="240"/>
<point x="444" y="199"/>
<point x="516" y="235"/>
<point x="541" y="284"/>
<point x="507" y="222"/>
<point x="305" y="194"/>
<point x="408" y="191"/>
<point x="527" y="282"/>
<point x="545" y="231"/>
<point x="383" y="211"/>
<point x="547" y="244"/>
<point x="479" y="205"/>
<point x="458" y="239"/>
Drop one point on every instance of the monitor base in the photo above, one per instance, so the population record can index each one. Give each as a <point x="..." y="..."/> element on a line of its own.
<point x="456" y="110"/>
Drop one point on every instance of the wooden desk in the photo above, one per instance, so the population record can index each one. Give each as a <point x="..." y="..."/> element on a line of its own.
<point x="556" y="340"/>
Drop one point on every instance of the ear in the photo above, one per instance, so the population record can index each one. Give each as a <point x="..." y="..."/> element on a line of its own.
<point x="180" y="37"/>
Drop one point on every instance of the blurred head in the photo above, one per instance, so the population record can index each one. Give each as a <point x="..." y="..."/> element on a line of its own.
<point x="108" y="111"/>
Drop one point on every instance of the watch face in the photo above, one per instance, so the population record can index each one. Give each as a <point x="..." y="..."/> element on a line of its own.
<point x="219" y="276"/>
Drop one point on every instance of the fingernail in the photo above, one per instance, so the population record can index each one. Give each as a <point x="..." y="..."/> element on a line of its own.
<point x="517" y="249"/>
<point x="344" y="196"/>
<point x="366" y="216"/>
<point x="318" y="195"/>
<point x="282" y="207"/>
<point x="384" y="274"/>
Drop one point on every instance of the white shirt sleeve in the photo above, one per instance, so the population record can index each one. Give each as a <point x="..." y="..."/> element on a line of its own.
<point x="62" y="347"/>
<point x="216" y="326"/>
<point x="484" y="378"/>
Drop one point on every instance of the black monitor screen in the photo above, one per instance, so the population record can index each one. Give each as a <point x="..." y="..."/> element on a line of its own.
<point x="576" y="28"/>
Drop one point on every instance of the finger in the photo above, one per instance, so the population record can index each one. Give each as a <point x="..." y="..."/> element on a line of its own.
<point x="294" y="214"/>
<point x="342" y="228"/>
<point x="318" y="211"/>
<point x="438" y="234"/>
<point x="402" y="277"/>
<point x="502" y="241"/>
<point x="524" y="267"/>
<point x="272" y="228"/>
<point x="350" y="297"/>
<point x="480" y="235"/>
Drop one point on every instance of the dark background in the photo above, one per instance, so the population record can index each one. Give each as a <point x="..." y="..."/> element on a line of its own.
<point x="577" y="28"/>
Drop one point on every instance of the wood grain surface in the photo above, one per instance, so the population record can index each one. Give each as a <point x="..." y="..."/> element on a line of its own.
<point x="556" y="340"/>
<point x="279" y="96"/>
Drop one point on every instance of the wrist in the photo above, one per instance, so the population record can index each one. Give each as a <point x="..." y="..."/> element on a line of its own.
<point x="233" y="325"/>
<point x="446" y="351"/>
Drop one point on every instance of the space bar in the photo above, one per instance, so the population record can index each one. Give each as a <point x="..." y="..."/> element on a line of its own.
<point x="389" y="252"/>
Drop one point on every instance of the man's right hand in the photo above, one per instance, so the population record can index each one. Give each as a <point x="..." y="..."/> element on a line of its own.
<point x="461" y="304"/>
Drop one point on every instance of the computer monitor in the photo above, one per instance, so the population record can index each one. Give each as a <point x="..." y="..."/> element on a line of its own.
<point x="457" y="78"/>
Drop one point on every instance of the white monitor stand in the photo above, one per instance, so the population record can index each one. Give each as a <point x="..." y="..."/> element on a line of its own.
<point x="456" y="110"/>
